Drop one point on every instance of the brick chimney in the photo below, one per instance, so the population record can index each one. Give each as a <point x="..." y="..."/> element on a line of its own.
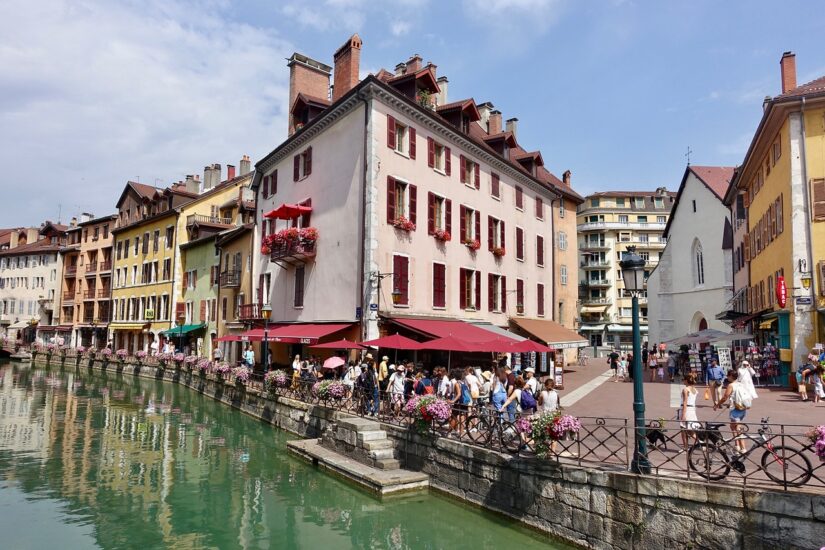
<point x="494" y="124"/>
<point x="347" y="62"/>
<point x="230" y="172"/>
<point x="86" y="216"/>
<point x="414" y="63"/>
<point x="306" y="76"/>
<point x="246" y="165"/>
<point x="400" y="68"/>
<point x="443" y="83"/>
<point x="788" y="66"/>
<point x="512" y="125"/>
<point x="565" y="178"/>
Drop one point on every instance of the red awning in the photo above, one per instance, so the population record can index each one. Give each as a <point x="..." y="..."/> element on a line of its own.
<point x="441" y="328"/>
<point x="303" y="333"/>
<point x="229" y="338"/>
<point x="288" y="212"/>
<point x="396" y="341"/>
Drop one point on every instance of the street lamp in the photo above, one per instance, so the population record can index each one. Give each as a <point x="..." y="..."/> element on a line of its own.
<point x="181" y="319"/>
<point x="633" y="275"/>
<point x="266" y="313"/>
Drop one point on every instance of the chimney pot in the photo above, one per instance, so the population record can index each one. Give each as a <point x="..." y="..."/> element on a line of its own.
<point x="788" y="67"/>
<point x="347" y="65"/>
<point x="512" y="125"/>
<point x="565" y="178"/>
<point x="414" y="63"/>
<point x="494" y="122"/>
<point x="246" y="165"/>
<point x="443" y="84"/>
<point x="230" y="172"/>
<point x="484" y="110"/>
<point x="400" y="68"/>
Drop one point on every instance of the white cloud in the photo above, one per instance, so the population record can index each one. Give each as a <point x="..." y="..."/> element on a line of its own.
<point x="352" y="15"/>
<point x="94" y="93"/>
<point x="516" y="19"/>
<point x="400" y="28"/>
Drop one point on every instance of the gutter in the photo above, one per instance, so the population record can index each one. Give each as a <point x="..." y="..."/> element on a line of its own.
<point x="361" y="291"/>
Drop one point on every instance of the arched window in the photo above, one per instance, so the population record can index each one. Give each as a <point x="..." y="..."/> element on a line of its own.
<point x="698" y="264"/>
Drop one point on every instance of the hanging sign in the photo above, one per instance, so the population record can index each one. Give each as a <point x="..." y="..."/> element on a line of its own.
<point x="781" y="291"/>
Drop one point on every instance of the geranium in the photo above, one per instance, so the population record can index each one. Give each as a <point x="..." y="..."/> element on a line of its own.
<point x="499" y="251"/>
<point x="122" y="354"/>
<point x="190" y="359"/>
<point x="80" y="350"/>
<point x="524" y="425"/>
<point x="309" y="234"/>
<point x="106" y="352"/>
<point x="91" y="351"/>
<point x="164" y="358"/>
<point x="403" y="223"/>
<point x="203" y="365"/>
<point x="289" y="235"/>
<point x="817" y="437"/>
<point x="178" y="357"/>
<point x="222" y="368"/>
<point x="442" y="235"/>
<point x="424" y="409"/>
<point x="277" y="378"/>
<point x="549" y="427"/>
<point x="472" y="244"/>
<point x="329" y="389"/>
<point x="51" y="348"/>
<point x="242" y="374"/>
<point x="141" y="354"/>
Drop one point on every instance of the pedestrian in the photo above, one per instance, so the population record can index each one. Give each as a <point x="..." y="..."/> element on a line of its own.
<point x="662" y="348"/>
<point x="473" y="383"/>
<point x="249" y="356"/>
<point x="296" y="363"/>
<point x="801" y="373"/>
<point x="549" y="398"/>
<point x="745" y="378"/>
<point x="484" y="390"/>
<point x="424" y="386"/>
<point x="716" y="378"/>
<point x="217" y="354"/>
<point x="383" y="373"/>
<point x="622" y="368"/>
<point x="499" y="389"/>
<point x="671" y="365"/>
<point x="653" y="367"/>
<point x="444" y="387"/>
<point x="819" y="392"/>
<point x="741" y="400"/>
<point x="689" y="422"/>
<point x="395" y="385"/>
<point x="531" y="383"/>
<point x="613" y="362"/>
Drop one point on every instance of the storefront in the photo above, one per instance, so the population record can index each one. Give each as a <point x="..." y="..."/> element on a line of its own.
<point x="551" y="334"/>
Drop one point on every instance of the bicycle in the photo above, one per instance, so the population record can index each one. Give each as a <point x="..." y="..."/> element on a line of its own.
<point x="487" y="425"/>
<point x="709" y="456"/>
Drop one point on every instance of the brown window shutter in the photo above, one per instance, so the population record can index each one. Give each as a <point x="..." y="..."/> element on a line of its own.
<point x="180" y="310"/>
<point x="539" y="208"/>
<point x="477" y="175"/>
<point x="448" y="161"/>
<point x="306" y="218"/>
<point x="430" y="213"/>
<point x="214" y="313"/>
<point x="390" y="132"/>
<point x="490" y="229"/>
<point x="430" y="152"/>
<point x="478" y="226"/>
<point x="462" y="169"/>
<point x="746" y="199"/>
<point x="185" y="280"/>
<point x="540" y="299"/>
<point x="296" y="167"/>
<point x="308" y="161"/>
<point x="503" y="293"/>
<point x="478" y="290"/>
<point x="448" y="215"/>
<point x="413" y="203"/>
<point x="491" y="291"/>
<point x="539" y="250"/>
<point x="747" y="247"/>
<point x="501" y="236"/>
<point x="390" y="199"/>
<point x="818" y="199"/>
<point x="821" y="270"/>
<point x="195" y="279"/>
<point x="412" y="143"/>
<point x="462" y="289"/>
<point x="261" y="289"/>
<point x="203" y="311"/>
<point x="780" y="218"/>
<point x="495" y="182"/>
<point x="462" y="226"/>
<point x="273" y="183"/>
<point x="519" y="243"/>
<point x="519" y="198"/>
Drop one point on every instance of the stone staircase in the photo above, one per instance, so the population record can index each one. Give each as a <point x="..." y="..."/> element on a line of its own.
<point x="362" y="440"/>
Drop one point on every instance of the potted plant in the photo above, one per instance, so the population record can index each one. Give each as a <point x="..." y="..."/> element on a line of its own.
<point x="105" y="357"/>
<point x="190" y="361"/>
<point x="308" y="235"/>
<point x="241" y="376"/>
<point x="499" y="251"/>
<point x="178" y="358"/>
<point x="275" y="379"/>
<point x="221" y="370"/>
<point x="403" y="224"/>
<point x="79" y="351"/>
<point x="472" y="244"/>
<point x="427" y="409"/>
<point x="442" y="235"/>
<point x="549" y="427"/>
<point x="817" y="437"/>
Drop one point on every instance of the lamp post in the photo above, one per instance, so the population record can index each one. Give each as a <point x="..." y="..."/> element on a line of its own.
<point x="266" y="313"/>
<point x="633" y="275"/>
<point x="181" y="319"/>
<point x="378" y="277"/>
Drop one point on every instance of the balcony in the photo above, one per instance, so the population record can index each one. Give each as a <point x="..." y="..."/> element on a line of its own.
<point x="46" y="303"/>
<point x="249" y="312"/>
<point x="649" y="244"/>
<point x="70" y="271"/>
<point x="601" y="226"/>
<point x="603" y="301"/>
<point x="91" y="269"/>
<point x="212" y="220"/>
<point x="89" y="294"/>
<point x="594" y="245"/>
<point x="104" y="293"/>
<point x="104" y="266"/>
<point x="595" y="264"/>
<point x="88" y="319"/>
<point x="596" y="283"/>
<point x="292" y="252"/>
<point x="68" y="297"/>
<point x="230" y="279"/>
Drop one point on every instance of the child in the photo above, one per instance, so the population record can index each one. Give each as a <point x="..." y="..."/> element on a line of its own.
<point x="622" y="370"/>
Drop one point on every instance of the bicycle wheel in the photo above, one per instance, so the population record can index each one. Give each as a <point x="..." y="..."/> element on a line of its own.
<point x="709" y="461"/>
<point x="786" y="465"/>
<point x="478" y="429"/>
<point x="510" y="438"/>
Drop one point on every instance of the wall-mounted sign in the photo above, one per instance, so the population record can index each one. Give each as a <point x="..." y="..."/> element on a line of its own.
<point x="373" y="307"/>
<point x="804" y="301"/>
<point x="781" y="291"/>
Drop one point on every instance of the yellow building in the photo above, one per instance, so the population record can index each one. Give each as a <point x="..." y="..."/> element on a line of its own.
<point x="143" y="268"/>
<point x="783" y="181"/>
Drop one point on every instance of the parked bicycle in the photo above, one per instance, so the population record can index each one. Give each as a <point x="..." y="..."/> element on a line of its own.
<point x="487" y="426"/>
<point x="713" y="456"/>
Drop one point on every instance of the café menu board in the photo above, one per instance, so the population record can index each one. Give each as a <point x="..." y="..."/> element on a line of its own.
<point x="724" y="359"/>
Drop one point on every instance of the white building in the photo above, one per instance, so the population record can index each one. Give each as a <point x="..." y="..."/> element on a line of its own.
<point x="694" y="279"/>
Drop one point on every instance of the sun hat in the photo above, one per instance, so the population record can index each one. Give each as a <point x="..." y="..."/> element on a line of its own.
<point x="487" y="375"/>
<point x="530" y="369"/>
<point x="385" y="358"/>
<point x="368" y="356"/>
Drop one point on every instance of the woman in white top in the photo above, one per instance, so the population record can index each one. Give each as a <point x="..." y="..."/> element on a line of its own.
<point x="296" y="363"/>
<point x="472" y="381"/>
<point x="549" y="397"/>
<point x="687" y="411"/>
<point x="745" y="379"/>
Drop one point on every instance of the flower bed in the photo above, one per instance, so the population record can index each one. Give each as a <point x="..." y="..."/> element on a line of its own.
<point x="549" y="427"/>
<point x="276" y="379"/>
<point x="426" y="409"/>
<point x="329" y="389"/>
<point x="472" y="244"/>
<point x="242" y="374"/>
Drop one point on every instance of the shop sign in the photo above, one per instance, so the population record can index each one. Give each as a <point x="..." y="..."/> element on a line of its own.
<point x="781" y="291"/>
<point x="804" y="301"/>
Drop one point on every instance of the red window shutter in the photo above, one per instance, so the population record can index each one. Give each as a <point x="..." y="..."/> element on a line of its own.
<point x="448" y="215"/>
<point x="780" y="227"/>
<point x="430" y="213"/>
<point x="390" y="132"/>
<point x="462" y="288"/>
<point x="501" y="236"/>
<point x="477" y="177"/>
<point x="266" y="187"/>
<point x="519" y="243"/>
<point x="540" y="250"/>
<point x="430" y="152"/>
<point x="185" y="280"/>
<point x="400" y="269"/>
<point x="540" y="299"/>
<point x="390" y="199"/>
<point x="260" y="289"/>
<point x="413" y="203"/>
<point x="308" y="161"/>
<point x="296" y="167"/>
<point x="478" y="290"/>
<point x="306" y="218"/>
<point x="448" y="161"/>
<point x="490" y="229"/>
<point x="519" y="198"/>
<point x="180" y="310"/>
<point x="491" y="291"/>
<point x="520" y="293"/>
<point x="214" y="313"/>
<point x="539" y="208"/>
<point x="495" y="184"/>
<point x="462" y="212"/>
<point x="503" y="293"/>
<point x="463" y="169"/>
<point x="273" y="183"/>
<point x="478" y="225"/>
<point x="412" y="143"/>
<point x="203" y="311"/>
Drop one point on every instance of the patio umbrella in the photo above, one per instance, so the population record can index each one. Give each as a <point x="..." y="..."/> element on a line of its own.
<point x="334" y="362"/>
<point x="527" y="346"/>
<point x="500" y="345"/>
<point x="451" y="343"/>
<point x="396" y="341"/>
<point x="339" y="344"/>
<point x="288" y="212"/>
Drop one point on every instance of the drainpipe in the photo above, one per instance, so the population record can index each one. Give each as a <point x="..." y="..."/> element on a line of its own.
<point x="808" y="237"/>
<point x="361" y="292"/>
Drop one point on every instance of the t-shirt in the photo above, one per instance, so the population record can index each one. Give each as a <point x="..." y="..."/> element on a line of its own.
<point x="472" y="382"/>
<point x="397" y="382"/>
<point x="614" y="358"/>
<point x="249" y="357"/>
<point x="533" y="385"/>
<point x="444" y="388"/>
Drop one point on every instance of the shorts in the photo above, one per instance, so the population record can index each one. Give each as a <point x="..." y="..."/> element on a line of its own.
<point x="737" y="415"/>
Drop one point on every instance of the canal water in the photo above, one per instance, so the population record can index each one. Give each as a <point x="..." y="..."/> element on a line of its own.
<point x="104" y="461"/>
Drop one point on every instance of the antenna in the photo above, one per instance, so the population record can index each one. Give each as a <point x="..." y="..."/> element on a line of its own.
<point x="687" y="155"/>
<point x="59" y="212"/>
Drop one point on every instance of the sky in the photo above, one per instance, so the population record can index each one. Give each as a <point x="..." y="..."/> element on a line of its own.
<point x="94" y="93"/>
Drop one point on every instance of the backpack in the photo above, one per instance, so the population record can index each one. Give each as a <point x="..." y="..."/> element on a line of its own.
<point x="426" y="386"/>
<point x="528" y="402"/>
<point x="466" y="398"/>
<point x="741" y="401"/>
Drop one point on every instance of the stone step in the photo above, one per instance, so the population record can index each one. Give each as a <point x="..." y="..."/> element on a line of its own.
<point x="377" y="444"/>
<point x="388" y="464"/>
<point x="381" y="454"/>
<point x="357" y="424"/>
<point x="371" y="435"/>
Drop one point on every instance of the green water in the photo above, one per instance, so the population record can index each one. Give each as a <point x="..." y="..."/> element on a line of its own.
<point x="90" y="461"/>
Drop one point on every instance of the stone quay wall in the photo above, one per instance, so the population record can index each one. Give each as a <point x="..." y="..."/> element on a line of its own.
<point x="589" y="507"/>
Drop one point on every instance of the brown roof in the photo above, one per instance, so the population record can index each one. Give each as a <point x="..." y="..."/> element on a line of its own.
<point x="813" y="87"/>
<point x="311" y="100"/>
<point x="629" y="194"/>
<point x="147" y="191"/>
<point x="717" y="178"/>
<point x="43" y="245"/>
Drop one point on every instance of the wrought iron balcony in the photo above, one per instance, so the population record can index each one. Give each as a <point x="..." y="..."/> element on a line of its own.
<point x="89" y="294"/>
<point x="91" y="268"/>
<point x="68" y="296"/>
<point x="596" y="301"/>
<point x="104" y="266"/>
<point x="70" y="271"/>
<point x="249" y="312"/>
<point x="230" y="279"/>
<point x="292" y="250"/>
<point x="104" y="293"/>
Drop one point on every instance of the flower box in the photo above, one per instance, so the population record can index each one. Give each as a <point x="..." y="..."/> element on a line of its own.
<point x="442" y="235"/>
<point x="499" y="251"/>
<point x="472" y="244"/>
<point x="403" y="224"/>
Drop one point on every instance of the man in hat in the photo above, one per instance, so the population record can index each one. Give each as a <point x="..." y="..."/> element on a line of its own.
<point x="531" y="381"/>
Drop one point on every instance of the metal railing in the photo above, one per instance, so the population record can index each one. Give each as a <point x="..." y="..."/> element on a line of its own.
<point x="201" y="218"/>
<point x="91" y="268"/>
<point x="249" y="312"/>
<point x="301" y="248"/>
<point x="104" y="266"/>
<point x="68" y="296"/>
<point x="104" y="293"/>
<point x="70" y="271"/>
<point x="230" y="279"/>
<point x="89" y="294"/>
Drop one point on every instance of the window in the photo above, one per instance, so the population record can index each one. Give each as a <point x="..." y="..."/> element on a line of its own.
<point x="594" y="203"/>
<point x="470" y="225"/>
<point x="167" y="269"/>
<point x="302" y="164"/>
<point x="644" y="237"/>
<point x="641" y="219"/>
<point x="156" y="240"/>
<point x="539" y="250"/>
<point x="620" y="202"/>
<point x="625" y="312"/>
<point x="520" y="296"/>
<point x="401" y="201"/>
<point x="623" y="218"/>
<point x="624" y="237"/>
<point x="224" y="308"/>
<point x="563" y="275"/>
<point x="539" y="208"/>
<point x="190" y="279"/>
<point x="776" y="151"/>
<point x="470" y="172"/>
<point x="119" y="249"/>
<point x="299" y="286"/>
<point x="661" y="219"/>
<point x="439" y="285"/>
<point x="519" y="244"/>
<point x="469" y="289"/>
<point x="438" y="156"/>
<point x="562" y="236"/>
<point x="495" y="186"/>
<point x="401" y="280"/>
<point x="540" y="299"/>
<point x="658" y="202"/>
<point x="519" y="198"/>
<point x="400" y="138"/>
<point x="126" y="248"/>
<point x="639" y="202"/>
<point x="694" y="205"/>
<point x="170" y="235"/>
<point x="439" y="214"/>
<point x="496" y="296"/>
<point x="561" y="207"/>
<point x="495" y="235"/>
<point x="645" y="256"/>
<point x="698" y="264"/>
<point x="106" y="231"/>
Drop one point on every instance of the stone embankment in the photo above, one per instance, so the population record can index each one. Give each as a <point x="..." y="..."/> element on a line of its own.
<point x="589" y="507"/>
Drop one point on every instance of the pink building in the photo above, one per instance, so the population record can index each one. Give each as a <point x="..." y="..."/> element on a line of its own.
<point x="404" y="206"/>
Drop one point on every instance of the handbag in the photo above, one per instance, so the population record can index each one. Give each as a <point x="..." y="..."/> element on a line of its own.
<point x="707" y="394"/>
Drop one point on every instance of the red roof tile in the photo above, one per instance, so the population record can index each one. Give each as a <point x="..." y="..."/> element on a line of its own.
<point x="813" y="87"/>
<point x="717" y="178"/>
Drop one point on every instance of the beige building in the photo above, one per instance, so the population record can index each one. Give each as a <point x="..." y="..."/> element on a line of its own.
<point x="608" y="223"/>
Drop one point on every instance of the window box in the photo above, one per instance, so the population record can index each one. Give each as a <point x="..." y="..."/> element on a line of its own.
<point x="403" y="224"/>
<point x="442" y="235"/>
<point x="499" y="251"/>
<point x="472" y="244"/>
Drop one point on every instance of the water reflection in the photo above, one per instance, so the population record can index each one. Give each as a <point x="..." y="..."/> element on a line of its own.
<point x="154" y="465"/>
